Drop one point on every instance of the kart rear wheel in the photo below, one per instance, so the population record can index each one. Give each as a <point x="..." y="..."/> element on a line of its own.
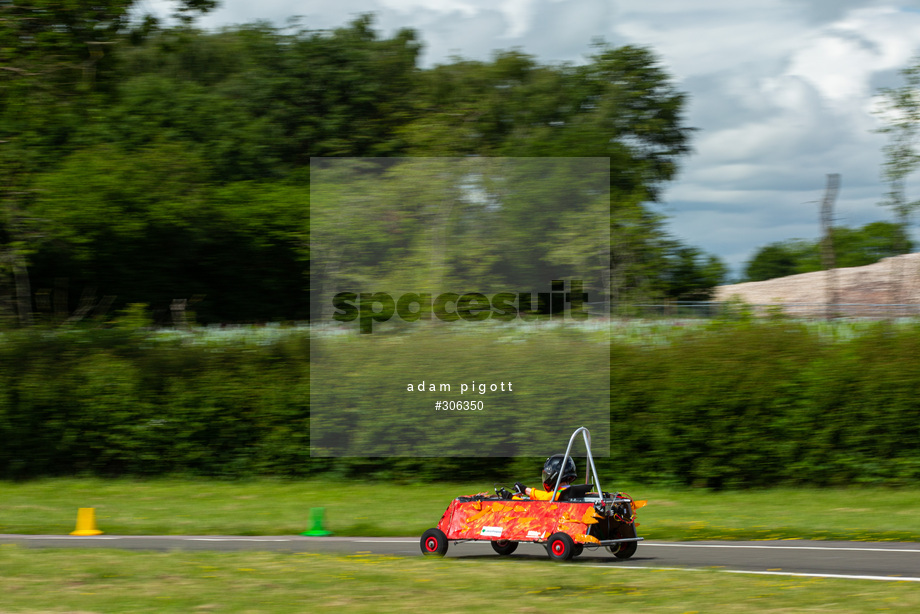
<point x="560" y="547"/>
<point x="626" y="549"/>
<point x="433" y="543"/>
<point x="504" y="546"/>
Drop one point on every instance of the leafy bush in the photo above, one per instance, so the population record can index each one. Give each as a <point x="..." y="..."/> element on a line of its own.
<point x="734" y="404"/>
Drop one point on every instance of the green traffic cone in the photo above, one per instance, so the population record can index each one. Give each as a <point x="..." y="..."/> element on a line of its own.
<point x="316" y="523"/>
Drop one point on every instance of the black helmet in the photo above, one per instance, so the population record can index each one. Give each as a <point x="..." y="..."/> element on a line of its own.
<point x="553" y="467"/>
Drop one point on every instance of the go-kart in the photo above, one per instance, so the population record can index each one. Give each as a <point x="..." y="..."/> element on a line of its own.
<point x="579" y="517"/>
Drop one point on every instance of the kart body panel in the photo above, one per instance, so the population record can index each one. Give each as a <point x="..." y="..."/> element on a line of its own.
<point x="517" y="520"/>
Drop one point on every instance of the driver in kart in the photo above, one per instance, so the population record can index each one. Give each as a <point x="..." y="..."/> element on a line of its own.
<point x="551" y="470"/>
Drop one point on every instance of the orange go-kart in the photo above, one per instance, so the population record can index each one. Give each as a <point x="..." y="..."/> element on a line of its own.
<point x="580" y="517"/>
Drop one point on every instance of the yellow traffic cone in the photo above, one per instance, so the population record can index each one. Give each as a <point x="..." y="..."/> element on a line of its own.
<point x="86" y="522"/>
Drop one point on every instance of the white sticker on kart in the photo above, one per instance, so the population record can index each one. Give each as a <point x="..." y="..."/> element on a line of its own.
<point x="535" y="534"/>
<point x="491" y="531"/>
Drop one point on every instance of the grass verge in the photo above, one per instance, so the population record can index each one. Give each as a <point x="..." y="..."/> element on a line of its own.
<point x="116" y="581"/>
<point x="265" y="507"/>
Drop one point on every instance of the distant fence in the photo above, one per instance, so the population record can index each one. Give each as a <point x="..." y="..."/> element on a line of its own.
<point x="719" y="309"/>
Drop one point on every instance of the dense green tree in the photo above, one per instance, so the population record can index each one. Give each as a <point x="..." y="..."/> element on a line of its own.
<point x="852" y="247"/>
<point x="149" y="165"/>
<point x="692" y="275"/>
<point x="258" y="102"/>
<point x="148" y="226"/>
<point x="143" y="209"/>
<point x="774" y="260"/>
<point x="869" y="244"/>
<point x="620" y="105"/>
<point x="51" y="56"/>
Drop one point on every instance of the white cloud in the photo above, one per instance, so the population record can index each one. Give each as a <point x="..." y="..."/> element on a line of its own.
<point x="519" y="14"/>
<point x="841" y="59"/>
<point x="791" y="111"/>
<point x="714" y="36"/>
<point x="440" y="6"/>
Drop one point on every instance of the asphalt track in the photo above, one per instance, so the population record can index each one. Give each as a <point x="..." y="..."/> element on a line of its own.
<point x="884" y="561"/>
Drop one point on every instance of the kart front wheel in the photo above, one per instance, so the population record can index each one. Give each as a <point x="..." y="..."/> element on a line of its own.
<point x="434" y="543"/>
<point x="560" y="547"/>
<point x="579" y="548"/>
<point x="504" y="546"/>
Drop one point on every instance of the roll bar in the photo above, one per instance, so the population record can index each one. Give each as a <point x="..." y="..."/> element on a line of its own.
<point x="590" y="466"/>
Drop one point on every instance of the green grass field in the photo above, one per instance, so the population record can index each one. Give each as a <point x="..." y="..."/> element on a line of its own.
<point x="114" y="581"/>
<point x="188" y="507"/>
<point x="98" y="580"/>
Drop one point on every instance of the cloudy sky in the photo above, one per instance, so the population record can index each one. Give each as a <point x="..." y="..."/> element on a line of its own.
<point x="781" y="91"/>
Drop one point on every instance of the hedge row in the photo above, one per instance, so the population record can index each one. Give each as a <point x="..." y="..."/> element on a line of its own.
<point x="758" y="404"/>
<point x="112" y="402"/>
<point x="734" y="405"/>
